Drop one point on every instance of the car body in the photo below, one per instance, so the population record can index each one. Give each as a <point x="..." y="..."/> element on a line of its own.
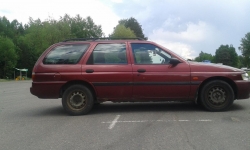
<point x="87" y="71"/>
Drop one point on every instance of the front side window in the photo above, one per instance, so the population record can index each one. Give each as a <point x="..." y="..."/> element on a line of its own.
<point x="149" y="54"/>
<point x="66" y="54"/>
<point x="108" y="54"/>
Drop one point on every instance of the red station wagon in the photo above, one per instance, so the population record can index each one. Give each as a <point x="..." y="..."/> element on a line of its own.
<point x="87" y="71"/>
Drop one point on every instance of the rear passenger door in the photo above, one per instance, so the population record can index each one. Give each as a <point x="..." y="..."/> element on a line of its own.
<point x="109" y="70"/>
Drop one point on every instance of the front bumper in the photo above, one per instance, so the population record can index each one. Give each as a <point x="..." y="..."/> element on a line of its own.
<point x="243" y="89"/>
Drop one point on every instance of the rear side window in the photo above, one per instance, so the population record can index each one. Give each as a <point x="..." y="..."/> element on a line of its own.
<point x="66" y="54"/>
<point x="108" y="54"/>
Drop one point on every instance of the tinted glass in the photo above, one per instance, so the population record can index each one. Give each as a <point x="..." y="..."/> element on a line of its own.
<point x="109" y="54"/>
<point x="66" y="54"/>
<point x="149" y="54"/>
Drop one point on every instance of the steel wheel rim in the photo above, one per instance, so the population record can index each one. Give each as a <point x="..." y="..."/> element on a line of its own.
<point x="217" y="96"/>
<point x="77" y="100"/>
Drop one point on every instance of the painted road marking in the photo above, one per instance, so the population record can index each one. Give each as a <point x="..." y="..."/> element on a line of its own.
<point x="204" y="120"/>
<point x="112" y="124"/>
<point x="235" y="119"/>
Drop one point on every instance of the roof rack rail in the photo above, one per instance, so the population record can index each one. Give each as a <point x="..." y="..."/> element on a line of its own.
<point x="107" y="38"/>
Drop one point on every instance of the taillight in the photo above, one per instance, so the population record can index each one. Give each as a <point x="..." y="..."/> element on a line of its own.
<point x="33" y="76"/>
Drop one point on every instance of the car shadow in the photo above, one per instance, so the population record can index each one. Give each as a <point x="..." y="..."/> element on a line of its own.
<point x="236" y="107"/>
<point x="154" y="107"/>
<point x="144" y="107"/>
<point x="108" y="107"/>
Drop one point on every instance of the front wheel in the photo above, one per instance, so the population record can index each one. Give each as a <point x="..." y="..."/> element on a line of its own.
<point x="217" y="95"/>
<point x="77" y="100"/>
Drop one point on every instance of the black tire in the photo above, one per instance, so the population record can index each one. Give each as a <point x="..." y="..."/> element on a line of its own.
<point x="77" y="100"/>
<point x="217" y="95"/>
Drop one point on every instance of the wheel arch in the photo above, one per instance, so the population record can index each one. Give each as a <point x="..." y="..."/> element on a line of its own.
<point x="81" y="82"/>
<point x="227" y="80"/>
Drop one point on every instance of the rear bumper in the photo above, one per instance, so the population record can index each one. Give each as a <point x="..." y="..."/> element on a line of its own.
<point x="46" y="90"/>
<point x="243" y="89"/>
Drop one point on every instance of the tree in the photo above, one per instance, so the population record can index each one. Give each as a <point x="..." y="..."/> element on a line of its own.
<point x="8" y="57"/>
<point x="242" y="61"/>
<point x="40" y="35"/>
<point x="10" y="29"/>
<point x="5" y="29"/>
<point x="204" y="56"/>
<point x="31" y="40"/>
<point x="121" y="31"/>
<point x="85" y="28"/>
<point x="245" y="48"/>
<point x="227" y="55"/>
<point x="26" y="55"/>
<point x="134" y="25"/>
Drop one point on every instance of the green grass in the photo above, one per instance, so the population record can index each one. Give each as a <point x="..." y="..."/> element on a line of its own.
<point x="4" y="80"/>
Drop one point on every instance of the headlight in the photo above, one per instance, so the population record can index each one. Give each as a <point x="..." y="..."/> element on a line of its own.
<point x="245" y="76"/>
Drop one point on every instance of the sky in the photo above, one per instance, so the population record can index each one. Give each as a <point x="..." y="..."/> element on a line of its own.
<point x="186" y="27"/>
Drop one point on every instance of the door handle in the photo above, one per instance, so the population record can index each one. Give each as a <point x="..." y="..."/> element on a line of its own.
<point x="89" y="70"/>
<point x="141" y="70"/>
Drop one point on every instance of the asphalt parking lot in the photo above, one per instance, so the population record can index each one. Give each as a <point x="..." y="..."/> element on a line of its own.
<point x="29" y="123"/>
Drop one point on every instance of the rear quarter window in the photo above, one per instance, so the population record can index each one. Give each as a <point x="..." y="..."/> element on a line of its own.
<point x="66" y="54"/>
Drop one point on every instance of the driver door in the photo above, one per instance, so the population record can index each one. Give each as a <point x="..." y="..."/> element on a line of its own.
<point x="153" y="76"/>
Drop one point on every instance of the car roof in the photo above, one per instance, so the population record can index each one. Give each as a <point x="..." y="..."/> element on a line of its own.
<point x="103" y="39"/>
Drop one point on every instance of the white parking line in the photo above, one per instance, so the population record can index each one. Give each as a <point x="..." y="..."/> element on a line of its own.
<point x="114" y="122"/>
<point x="183" y="120"/>
<point x="204" y="120"/>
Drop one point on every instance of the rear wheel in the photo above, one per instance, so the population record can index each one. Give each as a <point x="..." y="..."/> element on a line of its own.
<point x="77" y="100"/>
<point x="217" y="95"/>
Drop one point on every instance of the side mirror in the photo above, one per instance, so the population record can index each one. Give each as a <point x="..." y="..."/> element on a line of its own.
<point x="174" y="61"/>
